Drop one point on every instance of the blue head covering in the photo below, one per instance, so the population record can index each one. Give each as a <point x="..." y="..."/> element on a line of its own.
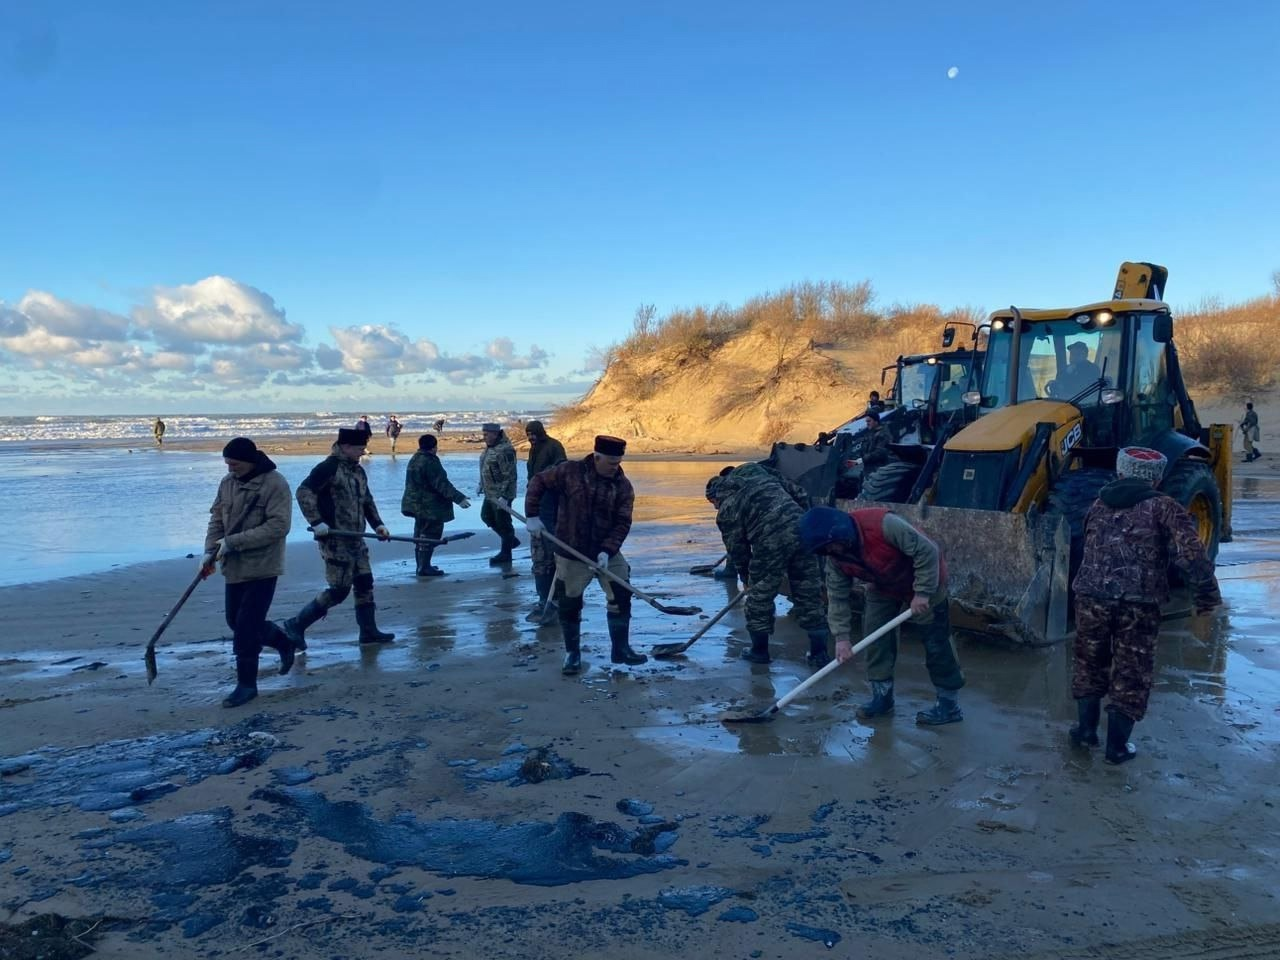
<point x="821" y="526"/>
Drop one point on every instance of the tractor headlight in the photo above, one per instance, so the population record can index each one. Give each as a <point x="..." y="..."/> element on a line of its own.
<point x="1112" y="396"/>
<point x="971" y="398"/>
<point x="1103" y="318"/>
<point x="998" y="324"/>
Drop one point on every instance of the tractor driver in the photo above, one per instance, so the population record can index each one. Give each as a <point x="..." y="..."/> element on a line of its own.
<point x="1080" y="373"/>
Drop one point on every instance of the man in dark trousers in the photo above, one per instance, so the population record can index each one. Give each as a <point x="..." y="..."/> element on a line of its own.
<point x="544" y="452"/>
<point x="498" y="487"/>
<point x="1249" y="433"/>
<point x="758" y="514"/>
<point x="248" y="523"/>
<point x="901" y="568"/>
<point x="429" y="498"/>
<point x="335" y="496"/>
<point x="1132" y="535"/>
<point x="596" y="500"/>
<point x="393" y="432"/>
<point x="157" y="430"/>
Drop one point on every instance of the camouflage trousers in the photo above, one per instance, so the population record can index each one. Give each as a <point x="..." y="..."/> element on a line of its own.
<point x="773" y="562"/>
<point x="344" y="569"/>
<point x="1115" y="652"/>
<point x="540" y="551"/>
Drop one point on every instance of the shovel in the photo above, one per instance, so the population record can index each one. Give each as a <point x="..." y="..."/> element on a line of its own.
<point x="707" y="569"/>
<point x="766" y="715"/>
<point x="150" y="656"/>
<point x="664" y="651"/>
<point x="425" y="541"/>
<point x="605" y="572"/>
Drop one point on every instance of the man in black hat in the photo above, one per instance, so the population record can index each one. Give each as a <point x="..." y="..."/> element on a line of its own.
<point x="596" y="500"/>
<point x="335" y="496"/>
<point x="498" y="487"/>
<point x="248" y="523"/>
<point x="544" y="452"/>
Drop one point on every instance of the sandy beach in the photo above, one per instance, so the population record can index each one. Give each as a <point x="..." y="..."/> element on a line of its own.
<point x="452" y="795"/>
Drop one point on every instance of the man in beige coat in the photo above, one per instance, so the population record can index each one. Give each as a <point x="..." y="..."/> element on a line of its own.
<point x="248" y="523"/>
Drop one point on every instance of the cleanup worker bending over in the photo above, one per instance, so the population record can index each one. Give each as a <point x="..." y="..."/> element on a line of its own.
<point x="901" y="567"/>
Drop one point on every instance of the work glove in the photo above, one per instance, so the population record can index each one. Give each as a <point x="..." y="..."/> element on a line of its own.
<point x="209" y="559"/>
<point x="382" y="532"/>
<point x="603" y="559"/>
<point x="222" y="551"/>
<point x="465" y="504"/>
<point x="503" y="503"/>
<point x="320" y="530"/>
<point x="535" y="526"/>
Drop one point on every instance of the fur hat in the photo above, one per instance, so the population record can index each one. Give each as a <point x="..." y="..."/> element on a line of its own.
<point x="242" y="449"/>
<point x="821" y="526"/>
<point x="1141" y="463"/>
<point x="610" y="446"/>
<point x="427" y="442"/>
<point x="357" y="438"/>
<point x="490" y="428"/>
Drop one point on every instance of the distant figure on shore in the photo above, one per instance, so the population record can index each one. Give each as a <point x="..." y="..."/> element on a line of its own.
<point x="365" y="427"/>
<point x="248" y="523"/>
<point x="1250" y="434"/>
<point x="439" y="425"/>
<point x="157" y="430"/>
<point x="393" y="432"/>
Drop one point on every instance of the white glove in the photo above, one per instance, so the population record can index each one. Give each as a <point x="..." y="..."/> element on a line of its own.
<point x="503" y="503"/>
<point x="320" y="530"/>
<point x="222" y="551"/>
<point x="382" y="532"/>
<point x="603" y="559"/>
<point x="535" y="526"/>
<point x="465" y="504"/>
<point x="210" y="557"/>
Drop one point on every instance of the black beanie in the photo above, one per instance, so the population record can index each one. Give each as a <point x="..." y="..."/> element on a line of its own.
<point x="610" y="446"/>
<point x="242" y="449"/>
<point x="536" y="428"/>
<point x="357" y="438"/>
<point x="426" y="442"/>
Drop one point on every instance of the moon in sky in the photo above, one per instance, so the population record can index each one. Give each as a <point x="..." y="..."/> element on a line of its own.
<point x="953" y="73"/>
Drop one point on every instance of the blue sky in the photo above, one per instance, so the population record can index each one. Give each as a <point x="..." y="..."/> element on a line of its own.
<point x="412" y="205"/>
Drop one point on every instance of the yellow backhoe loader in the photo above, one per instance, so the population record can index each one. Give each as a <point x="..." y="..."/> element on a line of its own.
<point x="1060" y="392"/>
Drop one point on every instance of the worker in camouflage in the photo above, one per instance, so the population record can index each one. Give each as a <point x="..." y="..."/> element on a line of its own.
<point x="1133" y="534"/>
<point x="758" y="513"/>
<point x="876" y="452"/>
<point x="498" y="487"/>
<point x="335" y="496"/>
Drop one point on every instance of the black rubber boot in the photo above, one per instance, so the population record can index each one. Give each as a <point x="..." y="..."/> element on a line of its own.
<point x="819" y="656"/>
<point x="295" y="627"/>
<point x="620" y="638"/>
<point x="246" y="682"/>
<point x="501" y="558"/>
<point x="881" y="702"/>
<point x="274" y="636"/>
<point x="944" y="711"/>
<point x="759" y="652"/>
<point x="571" y="627"/>
<point x="727" y="572"/>
<point x="542" y="581"/>
<point x="423" y="556"/>
<point x="1119" y="726"/>
<point x="369" y="632"/>
<point x="1085" y="731"/>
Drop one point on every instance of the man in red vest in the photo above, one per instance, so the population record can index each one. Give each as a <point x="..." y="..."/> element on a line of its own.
<point x="901" y="568"/>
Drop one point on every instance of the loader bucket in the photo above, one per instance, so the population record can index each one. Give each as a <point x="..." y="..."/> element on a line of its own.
<point x="1007" y="572"/>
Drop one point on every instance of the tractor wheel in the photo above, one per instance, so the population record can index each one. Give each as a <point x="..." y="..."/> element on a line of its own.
<point x="892" y="483"/>
<point x="1072" y="497"/>
<point x="1192" y="484"/>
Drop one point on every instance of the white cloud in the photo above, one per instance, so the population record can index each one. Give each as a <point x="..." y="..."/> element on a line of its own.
<point x="503" y="352"/>
<point x="215" y="310"/>
<point x="64" y="318"/>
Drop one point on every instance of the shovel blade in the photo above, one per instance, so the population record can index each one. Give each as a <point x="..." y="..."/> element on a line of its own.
<point x="150" y="659"/>
<point x="664" y="651"/>
<point x="764" y="717"/>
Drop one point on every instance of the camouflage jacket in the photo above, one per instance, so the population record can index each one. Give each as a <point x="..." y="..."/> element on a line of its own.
<point x="876" y="452"/>
<point x="759" y="511"/>
<point x="1132" y="536"/>
<point x="428" y="494"/>
<point x="594" y="512"/>
<point x="336" y="492"/>
<point x="498" y="470"/>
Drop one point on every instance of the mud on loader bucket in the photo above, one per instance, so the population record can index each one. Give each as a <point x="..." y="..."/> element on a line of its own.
<point x="1008" y="573"/>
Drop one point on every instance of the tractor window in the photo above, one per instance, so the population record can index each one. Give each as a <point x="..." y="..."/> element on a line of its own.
<point x="916" y="383"/>
<point x="1060" y="361"/>
<point x="1152" y="398"/>
<point x="954" y="381"/>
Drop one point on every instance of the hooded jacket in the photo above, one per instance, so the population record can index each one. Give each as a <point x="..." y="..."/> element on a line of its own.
<point x="1132" y="534"/>
<point x="253" y="513"/>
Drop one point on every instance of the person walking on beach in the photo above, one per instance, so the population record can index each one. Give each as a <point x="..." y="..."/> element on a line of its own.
<point x="1250" y="434"/>
<point x="335" y="496"/>
<point x="393" y="432"/>
<point x="1132" y="535"/>
<point x="498" y="482"/>
<point x="544" y="452"/>
<point x="901" y="568"/>
<point x="429" y="498"/>
<point x="759" y="517"/>
<point x="594" y="517"/>
<point x="248" y="523"/>
<point x="365" y="427"/>
<point x="157" y="431"/>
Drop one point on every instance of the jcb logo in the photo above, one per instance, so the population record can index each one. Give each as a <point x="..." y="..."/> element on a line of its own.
<point x="1072" y="438"/>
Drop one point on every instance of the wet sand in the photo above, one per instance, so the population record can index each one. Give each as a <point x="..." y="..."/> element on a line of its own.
<point x="452" y="795"/>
